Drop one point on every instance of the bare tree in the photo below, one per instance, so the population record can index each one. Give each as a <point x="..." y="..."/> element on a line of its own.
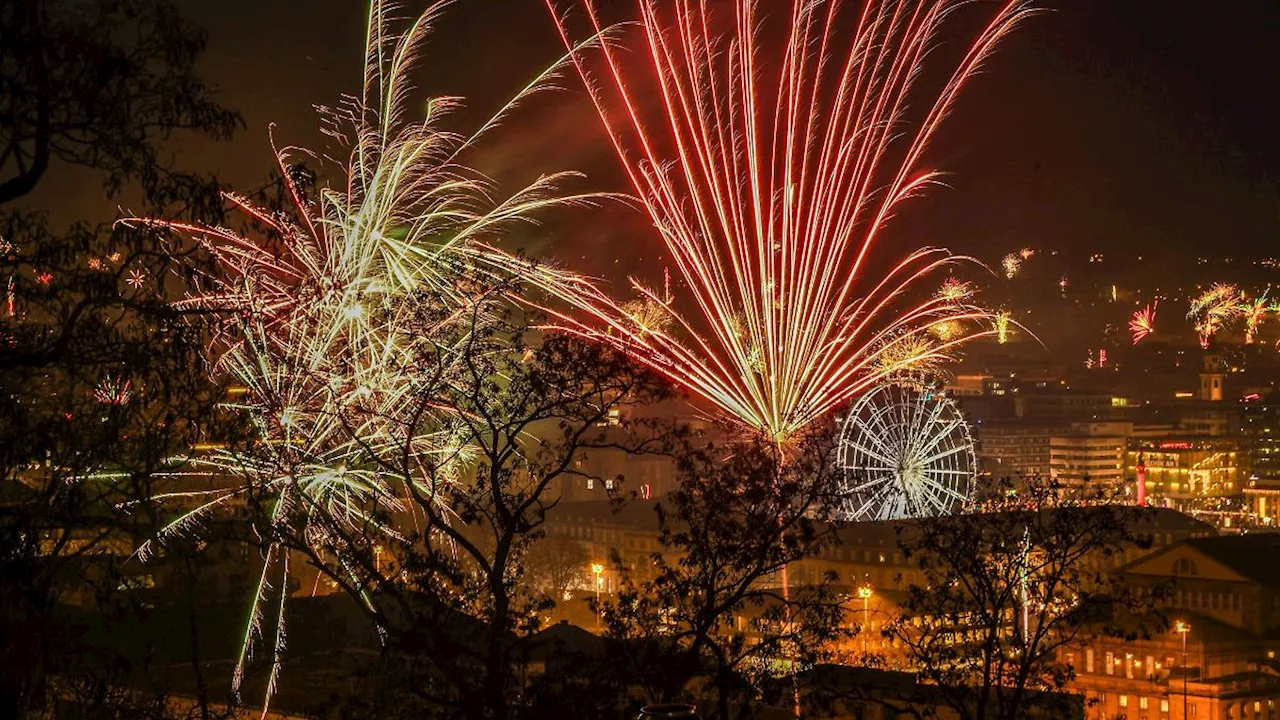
<point x="718" y="619"/>
<point x="100" y="85"/>
<point x="1003" y="592"/>
<point x="555" y="566"/>
<point x="451" y="589"/>
<point x="102" y="381"/>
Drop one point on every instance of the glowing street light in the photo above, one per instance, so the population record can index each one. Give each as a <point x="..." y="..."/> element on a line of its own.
<point x="597" y="569"/>
<point x="1182" y="629"/>
<point x="864" y="592"/>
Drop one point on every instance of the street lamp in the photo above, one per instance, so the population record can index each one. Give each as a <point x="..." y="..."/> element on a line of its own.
<point x="1183" y="628"/>
<point x="597" y="569"/>
<point x="864" y="592"/>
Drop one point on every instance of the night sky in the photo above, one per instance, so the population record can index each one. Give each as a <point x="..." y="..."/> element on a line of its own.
<point x="1144" y="125"/>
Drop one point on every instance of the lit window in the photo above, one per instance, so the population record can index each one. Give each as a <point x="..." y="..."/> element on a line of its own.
<point x="1142" y="703"/>
<point x="1164" y="704"/>
<point x="1124" y="701"/>
<point x="591" y="483"/>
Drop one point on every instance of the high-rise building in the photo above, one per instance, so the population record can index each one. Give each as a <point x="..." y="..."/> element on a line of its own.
<point x="1260" y="434"/>
<point x="1009" y="448"/>
<point x="1080" y="458"/>
<point x="1260" y="431"/>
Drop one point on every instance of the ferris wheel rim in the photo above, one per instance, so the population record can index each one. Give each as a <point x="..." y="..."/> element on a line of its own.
<point x="910" y="452"/>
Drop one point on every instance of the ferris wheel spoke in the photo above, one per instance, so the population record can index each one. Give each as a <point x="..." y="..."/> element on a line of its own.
<point x="929" y="503"/>
<point x="889" y="462"/>
<point x="882" y="430"/>
<point x="870" y="484"/>
<point x="948" y="471"/>
<point x="872" y="501"/>
<point x="945" y="454"/>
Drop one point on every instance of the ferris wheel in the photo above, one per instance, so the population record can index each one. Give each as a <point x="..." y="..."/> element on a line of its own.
<point x="905" y="452"/>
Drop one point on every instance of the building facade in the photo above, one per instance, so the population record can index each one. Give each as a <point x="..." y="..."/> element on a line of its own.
<point x="1186" y="471"/>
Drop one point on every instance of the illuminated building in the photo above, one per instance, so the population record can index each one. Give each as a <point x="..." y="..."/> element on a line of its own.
<point x="968" y="384"/>
<point x="866" y="555"/>
<point x="1067" y="404"/>
<point x="1260" y="429"/>
<point x="1262" y="501"/>
<point x="1181" y="469"/>
<point x="1226" y="599"/>
<point x="1212" y="377"/>
<point x="1080" y="458"/>
<point x="613" y="469"/>
<point x="1013" y="448"/>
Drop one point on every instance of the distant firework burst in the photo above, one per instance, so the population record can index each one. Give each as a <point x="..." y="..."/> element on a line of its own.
<point x="1002" y="321"/>
<point x="1213" y="309"/>
<point x="337" y="315"/>
<point x="1144" y="322"/>
<point x="1011" y="264"/>
<point x="113" y="391"/>
<point x="1254" y="312"/>
<point x="954" y="290"/>
<point x="771" y="174"/>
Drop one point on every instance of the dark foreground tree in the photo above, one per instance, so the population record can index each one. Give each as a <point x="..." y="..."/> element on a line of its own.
<point x="715" y="619"/>
<point x="449" y="589"/>
<point x="101" y="383"/>
<point x="101" y="85"/>
<point x="1003" y="593"/>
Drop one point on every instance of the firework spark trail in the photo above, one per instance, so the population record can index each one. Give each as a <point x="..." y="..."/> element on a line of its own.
<point x="1254" y="312"/>
<point x="1214" y="308"/>
<point x="336" y="318"/>
<point x="1143" y="322"/>
<point x="769" y="188"/>
<point x="1002" y="322"/>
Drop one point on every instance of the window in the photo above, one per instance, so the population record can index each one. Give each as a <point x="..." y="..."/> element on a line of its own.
<point x="1142" y="703"/>
<point x="1111" y="668"/>
<point x="1088" y="660"/>
<point x="1071" y="659"/>
<point x="1191" y="711"/>
<point x="1129" y="662"/>
<point x="1124" y="701"/>
<point x="608" y="484"/>
<point x="591" y="483"/>
<point x="1164" y="705"/>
